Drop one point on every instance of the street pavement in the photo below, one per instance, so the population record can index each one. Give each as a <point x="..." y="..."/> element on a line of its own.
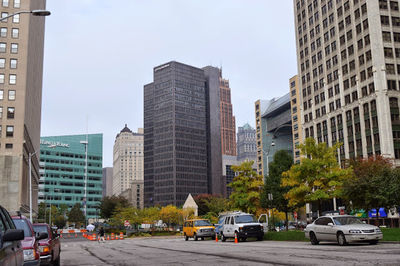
<point x="176" y="251"/>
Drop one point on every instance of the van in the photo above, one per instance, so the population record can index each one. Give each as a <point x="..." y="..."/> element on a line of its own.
<point x="198" y="228"/>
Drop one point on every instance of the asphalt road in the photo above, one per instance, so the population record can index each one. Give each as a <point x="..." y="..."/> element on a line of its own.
<point x="176" y="251"/>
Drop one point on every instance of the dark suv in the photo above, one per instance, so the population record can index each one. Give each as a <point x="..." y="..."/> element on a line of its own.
<point x="11" y="253"/>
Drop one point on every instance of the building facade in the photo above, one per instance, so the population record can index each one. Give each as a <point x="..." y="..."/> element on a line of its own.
<point x="134" y="194"/>
<point x="128" y="159"/>
<point x="228" y="124"/>
<point x="296" y="117"/>
<point x="246" y="144"/>
<point x="182" y="134"/>
<point x="21" y="72"/>
<point x="274" y="130"/>
<point x="107" y="181"/>
<point x="227" y="162"/>
<point x="63" y="174"/>
<point x="348" y="61"/>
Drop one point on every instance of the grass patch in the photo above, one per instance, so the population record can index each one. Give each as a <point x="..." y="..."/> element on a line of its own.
<point x="165" y="233"/>
<point x="292" y="235"/>
<point x="391" y="234"/>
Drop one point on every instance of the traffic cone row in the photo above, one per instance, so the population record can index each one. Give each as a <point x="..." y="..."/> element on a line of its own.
<point x="113" y="237"/>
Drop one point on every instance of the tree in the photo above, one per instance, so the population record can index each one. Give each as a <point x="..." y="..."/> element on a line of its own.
<point x="246" y="188"/>
<point x="210" y="203"/>
<point x="170" y="214"/>
<point x="41" y="212"/>
<point x="75" y="215"/>
<point x="108" y="205"/>
<point x="281" y="163"/>
<point x="60" y="221"/>
<point x="201" y="200"/>
<point x="318" y="177"/>
<point x="374" y="183"/>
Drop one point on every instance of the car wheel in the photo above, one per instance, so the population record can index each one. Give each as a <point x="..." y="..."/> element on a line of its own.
<point x="313" y="239"/>
<point x="186" y="238"/>
<point x="373" y="242"/>
<point x="57" y="261"/>
<point x="223" y="238"/>
<point x="195" y="237"/>
<point x="244" y="239"/>
<point x="341" y="239"/>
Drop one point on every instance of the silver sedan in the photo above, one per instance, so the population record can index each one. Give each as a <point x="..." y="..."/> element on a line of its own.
<point x="342" y="229"/>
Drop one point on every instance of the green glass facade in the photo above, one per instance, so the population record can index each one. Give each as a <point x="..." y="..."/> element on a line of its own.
<point x="62" y="179"/>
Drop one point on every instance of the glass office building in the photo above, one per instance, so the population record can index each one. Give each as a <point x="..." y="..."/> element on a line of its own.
<point x="62" y="181"/>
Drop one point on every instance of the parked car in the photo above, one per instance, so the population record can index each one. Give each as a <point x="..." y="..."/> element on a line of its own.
<point x="198" y="228"/>
<point x="242" y="225"/>
<point x="11" y="252"/>
<point x="30" y="241"/>
<point x="50" y="247"/>
<point x="342" y="229"/>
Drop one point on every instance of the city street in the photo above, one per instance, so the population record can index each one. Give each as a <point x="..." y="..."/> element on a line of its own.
<point x="176" y="251"/>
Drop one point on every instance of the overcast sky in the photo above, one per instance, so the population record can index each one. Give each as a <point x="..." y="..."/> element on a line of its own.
<point x="99" y="54"/>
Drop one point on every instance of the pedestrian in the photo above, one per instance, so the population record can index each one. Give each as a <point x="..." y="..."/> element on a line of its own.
<point x="101" y="234"/>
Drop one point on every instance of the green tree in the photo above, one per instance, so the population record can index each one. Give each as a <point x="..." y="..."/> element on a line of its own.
<point x="281" y="163"/>
<point x="75" y="215"/>
<point x="318" y="177"/>
<point x="375" y="184"/>
<point x="41" y="212"/>
<point x="108" y="205"/>
<point x="60" y="221"/>
<point x="170" y="214"/>
<point x="246" y="188"/>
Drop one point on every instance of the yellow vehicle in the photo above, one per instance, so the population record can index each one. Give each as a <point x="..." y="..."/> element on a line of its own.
<point x="198" y="228"/>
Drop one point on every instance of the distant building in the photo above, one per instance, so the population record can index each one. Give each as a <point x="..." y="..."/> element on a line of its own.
<point x="107" y="181"/>
<point x="182" y="134"/>
<point x="63" y="174"/>
<point x="228" y="125"/>
<point x="246" y="144"/>
<point x="228" y="173"/>
<point x="127" y="159"/>
<point x="134" y="194"/>
<point x="296" y="116"/>
<point x="21" y="75"/>
<point x="274" y="130"/>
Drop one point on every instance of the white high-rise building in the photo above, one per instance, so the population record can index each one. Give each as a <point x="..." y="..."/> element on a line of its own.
<point x="348" y="55"/>
<point x="128" y="160"/>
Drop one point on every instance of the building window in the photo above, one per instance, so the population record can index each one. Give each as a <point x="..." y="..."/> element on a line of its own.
<point x="11" y="95"/>
<point x="5" y="3"/>
<point x="3" y="15"/>
<point x="13" y="63"/>
<point x="3" y="32"/>
<point x="15" y="33"/>
<point x="17" y="3"/>
<point x="12" y="79"/>
<point x="10" y="112"/>
<point x="1" y="94"/>
<point x="1" y="78"/>
<point x="16" y="18"/>
<point x="10" y="131"/>
<point x="3" y="47"/>
<point x="2" y="62"/>
<point x="9" y="145"/>
<point x="14" y="48"/>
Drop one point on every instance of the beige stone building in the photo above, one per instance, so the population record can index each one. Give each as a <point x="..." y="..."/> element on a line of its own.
<point x="21" y="72"/>
<point x="127" y="160"/>
<point x="349" y="63"/>
<point x="296" y="120"/>
<point x="135" y="193"/>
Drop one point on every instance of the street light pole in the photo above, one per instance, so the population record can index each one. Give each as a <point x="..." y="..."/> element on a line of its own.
<point x="30" y="155"/>
<point x="267" y="154"/>
<point x="37" y="13"/>
<point x="85" y="142"/>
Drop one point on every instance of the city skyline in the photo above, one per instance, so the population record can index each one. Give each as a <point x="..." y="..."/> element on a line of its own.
<point x="119" y="65"/>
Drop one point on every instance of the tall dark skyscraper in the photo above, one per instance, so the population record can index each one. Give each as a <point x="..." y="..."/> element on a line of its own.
<point x="182" y="134"/>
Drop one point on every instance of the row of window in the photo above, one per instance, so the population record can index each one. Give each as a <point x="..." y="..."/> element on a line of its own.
<point x="6" y="3"/>
<point x="12" y="79"/>
<point x="11" y="95"/>
<point x="15" y="18"/>
<point x="13" y="63"/>
<point x="10" y="112"/>
<point x="13" y="48"/>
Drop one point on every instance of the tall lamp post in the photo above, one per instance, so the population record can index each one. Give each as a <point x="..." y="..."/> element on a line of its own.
<point x="267" y="154"/>
<point x="40" y="13"/>
<point x="86" y="143"/>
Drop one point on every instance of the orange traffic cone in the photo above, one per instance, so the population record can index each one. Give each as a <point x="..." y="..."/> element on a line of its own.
<point x="121" y="235"/>
<point x="236" y="239"/>
<point x="216" y="237"/>
<point x="112" y="236"/>
<point x="108" y="237"/>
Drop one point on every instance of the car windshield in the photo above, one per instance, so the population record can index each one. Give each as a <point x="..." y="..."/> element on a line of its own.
<point x="40" y="228"/>
<point x="245" y="219"/>
<point x="202" y="223"/>
<point x="347" y="220"/>
<point x="23" y="225"/>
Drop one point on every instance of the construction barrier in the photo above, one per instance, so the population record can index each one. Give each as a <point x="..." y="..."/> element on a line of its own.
<point x="121" y="235"/>
<point x="112" y="236"/>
